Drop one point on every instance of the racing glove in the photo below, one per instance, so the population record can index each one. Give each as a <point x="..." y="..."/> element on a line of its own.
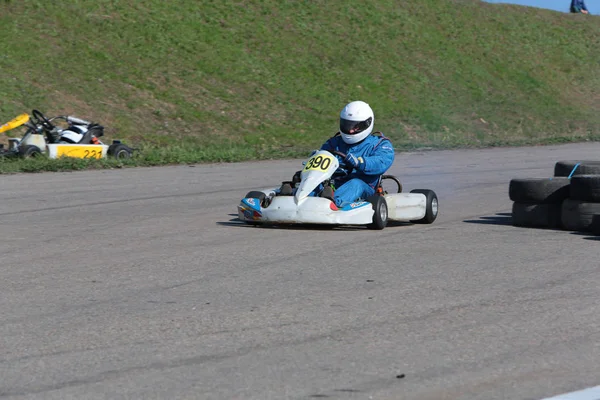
<point x="356" y="162"/>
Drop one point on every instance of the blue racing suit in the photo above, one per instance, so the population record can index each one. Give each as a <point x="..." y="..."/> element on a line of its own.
<point x="377" y="154"/>
<point x="577" y="6"/>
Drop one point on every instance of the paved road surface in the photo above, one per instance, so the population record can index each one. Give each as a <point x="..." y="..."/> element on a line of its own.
<point x="140" y="283"/>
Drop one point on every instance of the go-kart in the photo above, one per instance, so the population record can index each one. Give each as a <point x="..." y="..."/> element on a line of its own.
<point x="78" y="139"/>
<point x="300" y="205"/>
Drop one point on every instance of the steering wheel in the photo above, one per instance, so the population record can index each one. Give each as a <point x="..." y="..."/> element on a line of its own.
<point x="339" y="153"/>
<point x="343" y="169"/>
<point x="42" y="120"/>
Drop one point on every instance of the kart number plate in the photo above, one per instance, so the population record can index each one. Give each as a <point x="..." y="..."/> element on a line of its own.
<point x="79" y="151"/>
<point x="318" y="162"/>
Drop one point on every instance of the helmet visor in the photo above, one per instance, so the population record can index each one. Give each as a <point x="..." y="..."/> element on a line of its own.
<point x="353" y="127"/>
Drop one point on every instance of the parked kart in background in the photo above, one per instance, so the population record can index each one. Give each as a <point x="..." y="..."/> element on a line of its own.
<point x="79" y="139"/>
<point x="271" y="206"/>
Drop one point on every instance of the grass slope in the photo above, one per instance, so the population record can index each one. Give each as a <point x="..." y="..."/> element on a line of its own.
<point x="233" y="80"/>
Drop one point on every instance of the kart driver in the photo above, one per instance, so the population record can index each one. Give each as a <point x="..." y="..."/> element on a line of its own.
<point x="367" y="157"/>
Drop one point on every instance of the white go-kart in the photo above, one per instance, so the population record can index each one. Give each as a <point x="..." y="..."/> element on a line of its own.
<point x="298" y="206"/>
<point x="79" y="139"/>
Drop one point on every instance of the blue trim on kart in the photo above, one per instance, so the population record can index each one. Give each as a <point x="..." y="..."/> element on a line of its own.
<point x="354" y="206"/>
<point x="251" y="209"/>
<point x="251" y="215"/>
<point x="254" y="204"/>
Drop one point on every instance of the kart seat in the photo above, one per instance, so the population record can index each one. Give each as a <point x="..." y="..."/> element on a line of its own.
<point x="95" y="130"/>
<point x="379" y="188"/>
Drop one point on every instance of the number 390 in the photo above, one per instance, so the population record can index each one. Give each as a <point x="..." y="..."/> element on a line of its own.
<point x="318" y="162"/>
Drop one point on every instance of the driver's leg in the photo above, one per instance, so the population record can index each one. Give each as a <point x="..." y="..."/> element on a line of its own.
<point x="351" y="191"/>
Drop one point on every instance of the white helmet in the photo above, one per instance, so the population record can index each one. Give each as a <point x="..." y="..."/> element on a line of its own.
<point x="356" y="122"/>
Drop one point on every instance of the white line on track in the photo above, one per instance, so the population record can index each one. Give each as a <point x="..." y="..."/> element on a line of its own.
<point x="592" y="393"/>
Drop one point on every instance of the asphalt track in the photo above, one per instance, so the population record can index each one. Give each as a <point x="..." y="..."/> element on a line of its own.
<point x="141" y="283"/>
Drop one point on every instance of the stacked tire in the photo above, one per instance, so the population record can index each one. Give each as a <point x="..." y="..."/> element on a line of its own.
<point x="537" y="203"/>
<point x="579" y="211"/>
<point x="569" y="200"/>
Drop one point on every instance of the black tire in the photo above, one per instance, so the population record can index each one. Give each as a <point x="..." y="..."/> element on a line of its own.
<point x="380" y="214"/>
<point x="30" y="151"/>
<point x="536" y="215"/>
<point x="585" y="167"/>
<point x="585" y="188"/>
<point x="431" y="207"/>
<point x="539" y="190"/>
<point x="595" y="225"/>
<point x="264" y="199"/>
<point x="119" y="151"/>
<point x="577" y="215"/>
<point x="255" y="194"/>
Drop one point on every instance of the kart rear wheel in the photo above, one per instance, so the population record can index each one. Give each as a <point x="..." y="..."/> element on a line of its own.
<point x="119" y="151"/>
<point x="380" y="214"/>
<point x="431" y="206"/>
<point x="30" y="151"/>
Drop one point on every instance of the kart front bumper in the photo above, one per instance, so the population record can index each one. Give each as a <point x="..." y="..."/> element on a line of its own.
<point x="310" y="210"/>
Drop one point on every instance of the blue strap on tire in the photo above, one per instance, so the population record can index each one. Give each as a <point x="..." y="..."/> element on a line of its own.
<point x="573" y="171"/>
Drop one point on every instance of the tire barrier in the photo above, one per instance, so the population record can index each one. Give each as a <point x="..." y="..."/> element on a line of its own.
<point x="569" y="200"/>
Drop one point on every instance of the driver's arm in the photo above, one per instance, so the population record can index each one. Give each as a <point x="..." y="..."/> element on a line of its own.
<point x="381" y="159"/>
<point x="331" y="146"/>
<point x="328" y="145"/>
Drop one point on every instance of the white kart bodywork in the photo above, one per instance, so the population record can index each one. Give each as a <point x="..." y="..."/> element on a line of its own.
<point x="317" y="210"/>
<point x="305" y="209"/>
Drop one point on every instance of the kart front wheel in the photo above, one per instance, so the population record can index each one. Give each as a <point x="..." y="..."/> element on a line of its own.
<point x="30" y="151"/>
<point x="255" y="194"/>
<point x="380" y="214"/>
<point x="431" y="206"/>
<point x="262" y="197"/>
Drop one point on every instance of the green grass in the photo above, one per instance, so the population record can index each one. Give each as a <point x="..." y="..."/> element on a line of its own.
<point x="195" y="81"/>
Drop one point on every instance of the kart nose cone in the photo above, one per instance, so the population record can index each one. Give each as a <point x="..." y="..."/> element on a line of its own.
<point x="300" y="195"/>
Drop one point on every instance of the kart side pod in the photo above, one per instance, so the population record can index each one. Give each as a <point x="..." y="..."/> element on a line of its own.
<point x="77" y="150"/>
<point x="419" y="206"/>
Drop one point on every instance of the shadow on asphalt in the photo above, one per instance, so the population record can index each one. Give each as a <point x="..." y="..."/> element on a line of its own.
<point x="587" y="235"/>
<point x="307" y="227"/>
<point x="498" y="219"/>
<point x="506" y="219"/>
